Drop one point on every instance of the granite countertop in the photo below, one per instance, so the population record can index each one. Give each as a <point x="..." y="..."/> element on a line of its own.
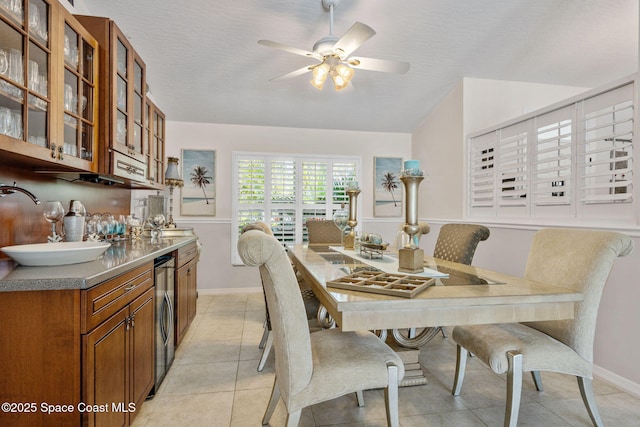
<point x="120" y="257"/>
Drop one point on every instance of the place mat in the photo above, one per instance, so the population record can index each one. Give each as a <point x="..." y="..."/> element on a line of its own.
<point x="388" y="264"/>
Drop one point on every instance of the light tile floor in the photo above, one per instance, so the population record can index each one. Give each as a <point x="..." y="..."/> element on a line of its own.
<point x="213" y="382"/>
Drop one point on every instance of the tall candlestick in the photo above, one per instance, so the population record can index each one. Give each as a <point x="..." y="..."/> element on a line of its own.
<point x="411" y="257"/>
<point x="349" y="239"/>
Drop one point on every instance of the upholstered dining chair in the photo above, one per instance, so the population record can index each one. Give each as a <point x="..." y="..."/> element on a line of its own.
<point x="323" y="232"/>
<point x="315" y="367"/>
<point x="577" y="259"/>
<point x="455" y="243"/>
<point x="310" y="301"/>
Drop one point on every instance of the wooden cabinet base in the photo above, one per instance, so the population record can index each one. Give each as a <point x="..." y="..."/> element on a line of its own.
<point x="61" y="369"/>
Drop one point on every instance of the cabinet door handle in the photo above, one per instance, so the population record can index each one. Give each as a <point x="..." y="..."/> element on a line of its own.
<point x="60" y="152"/>
<point x="132" y="320"/>
<point x="53" y="151"/>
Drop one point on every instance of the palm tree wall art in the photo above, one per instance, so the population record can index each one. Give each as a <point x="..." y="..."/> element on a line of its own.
<point x="198" y="194"/>
<point x="388" y="191"/>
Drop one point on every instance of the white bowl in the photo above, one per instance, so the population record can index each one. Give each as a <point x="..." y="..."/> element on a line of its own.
<point x="62" y="253"/>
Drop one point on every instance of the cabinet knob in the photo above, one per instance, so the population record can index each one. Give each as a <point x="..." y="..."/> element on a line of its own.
<point x="53" y="151"/>
<point x="60" y="152"/>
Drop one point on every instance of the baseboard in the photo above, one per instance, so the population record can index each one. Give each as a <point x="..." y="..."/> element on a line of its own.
<point x="220" y="291"/>
<point x="618" y="381"/>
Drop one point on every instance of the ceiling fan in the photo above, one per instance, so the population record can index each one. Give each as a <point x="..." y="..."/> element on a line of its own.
<point x="334" y="55"/>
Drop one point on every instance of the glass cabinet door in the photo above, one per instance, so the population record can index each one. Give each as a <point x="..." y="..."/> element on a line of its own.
<point x="129" y="86"/>
<point x="158" y="145"/>
<point x="79" y="128"/>
<point x="154" y="144"/>
<point x="24" y="70"/>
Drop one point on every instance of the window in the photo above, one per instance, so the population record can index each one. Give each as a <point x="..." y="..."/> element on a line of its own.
<point x="572" y="161"/>
<point x="284" y="191"/>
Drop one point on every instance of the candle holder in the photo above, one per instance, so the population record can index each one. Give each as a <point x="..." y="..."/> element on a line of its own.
<point x="350" y="238"/>
<point x="411" y="257"/>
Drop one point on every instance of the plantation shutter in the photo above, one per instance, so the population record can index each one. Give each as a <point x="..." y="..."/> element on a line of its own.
<point x="512" y="160"/>
<point x="551" y="179"/>
<point x="606" y="160"/>
<point x="482" y="170"/>
<point x="250" y="190"/>
<point x="285" y="191"/>
<point x="283" y="199"/>
<point x="342" y="172"/>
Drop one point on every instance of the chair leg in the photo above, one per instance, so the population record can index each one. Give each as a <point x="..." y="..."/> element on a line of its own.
<point x="444" y="332"/>
<point x="360" y="398"/>
<point x="273" y="402"/>
<point x="461" y="364"/>
<point x="537" y="379"/>
<point x="391" y="397"/>
<point x="586" y="391"/>
<point x="293" y="419"/>
<point x="514" y="388"/>
<point x="265" y="334"/>
<point x="265" y="352"/>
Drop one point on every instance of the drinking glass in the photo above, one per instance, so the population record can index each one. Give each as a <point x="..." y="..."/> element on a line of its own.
<point x="53" y="212"/>
<point x="340" y="218"/>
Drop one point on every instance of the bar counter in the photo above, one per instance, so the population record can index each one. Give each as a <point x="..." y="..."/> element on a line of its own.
<point x="120" y="257"/>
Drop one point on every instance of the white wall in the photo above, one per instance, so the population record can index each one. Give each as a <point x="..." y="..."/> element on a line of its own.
<point x="215" y="272"/>
<point x="476" y="105"/>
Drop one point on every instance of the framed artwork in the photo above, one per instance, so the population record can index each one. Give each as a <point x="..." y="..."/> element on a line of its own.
<point x="387" y="200"/>
<point x="198" y="196"/>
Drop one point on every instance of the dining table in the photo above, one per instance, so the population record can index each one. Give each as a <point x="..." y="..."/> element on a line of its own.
<point x="449" y="293"/>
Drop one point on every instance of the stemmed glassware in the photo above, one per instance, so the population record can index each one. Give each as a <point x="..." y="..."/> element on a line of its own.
<point x="340" y="219"/>
<point x="53" y="212"/>
<point x="156" y="222"/>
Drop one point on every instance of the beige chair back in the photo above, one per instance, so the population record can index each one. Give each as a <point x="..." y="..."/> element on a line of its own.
<point x="458" y="242"/>
<point x="258" y="225"/>
<point x="579" y="260"/>
<point x="323" y="231"/>
<point x="294" y="364"/>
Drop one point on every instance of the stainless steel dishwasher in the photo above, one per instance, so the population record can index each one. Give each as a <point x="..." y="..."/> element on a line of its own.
<point x="164" y="268"/>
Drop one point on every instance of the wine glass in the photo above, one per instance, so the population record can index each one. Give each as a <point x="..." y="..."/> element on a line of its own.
<point x="156" y="222"/>
<point x="53" y="212"/>
<point x="340" y="219"/>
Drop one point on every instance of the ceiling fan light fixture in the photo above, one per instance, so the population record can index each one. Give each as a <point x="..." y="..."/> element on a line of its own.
<point x="320" y="74"/>
<point x="338" y="81"/>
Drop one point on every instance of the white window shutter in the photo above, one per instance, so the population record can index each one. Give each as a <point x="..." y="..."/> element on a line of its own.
<point x="513" y="181"/>
<point x="482" y="170"/>
<point x="552" y="171"/>
<point x="605" y="164"/>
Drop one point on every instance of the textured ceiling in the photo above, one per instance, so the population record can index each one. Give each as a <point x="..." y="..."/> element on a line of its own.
<point x="204" y="63"/>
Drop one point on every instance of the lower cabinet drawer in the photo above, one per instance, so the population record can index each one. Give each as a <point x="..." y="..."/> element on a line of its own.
<point x="102" y="301"/>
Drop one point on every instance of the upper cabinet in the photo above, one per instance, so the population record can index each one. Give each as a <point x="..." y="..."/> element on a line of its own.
<point x="123" y="87"/>
<point x="154" y="144"/>
<point x="48" y="76"/>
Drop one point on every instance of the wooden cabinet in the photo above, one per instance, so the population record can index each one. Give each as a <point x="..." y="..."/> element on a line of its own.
<point x="48" y="76"/>
<point x="121" y="114"/>
<point x="154" y="138"/>
<point x="118" y="353"/>
<point x="186" y="289"/>
<point x="78" y="347"/>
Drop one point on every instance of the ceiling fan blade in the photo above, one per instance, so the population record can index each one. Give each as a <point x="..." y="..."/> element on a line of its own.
<point x="353" y="39"/>
<point x="289" y="49"/>
<point x="293" y="74"/>
<point x="360" y="63"/>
